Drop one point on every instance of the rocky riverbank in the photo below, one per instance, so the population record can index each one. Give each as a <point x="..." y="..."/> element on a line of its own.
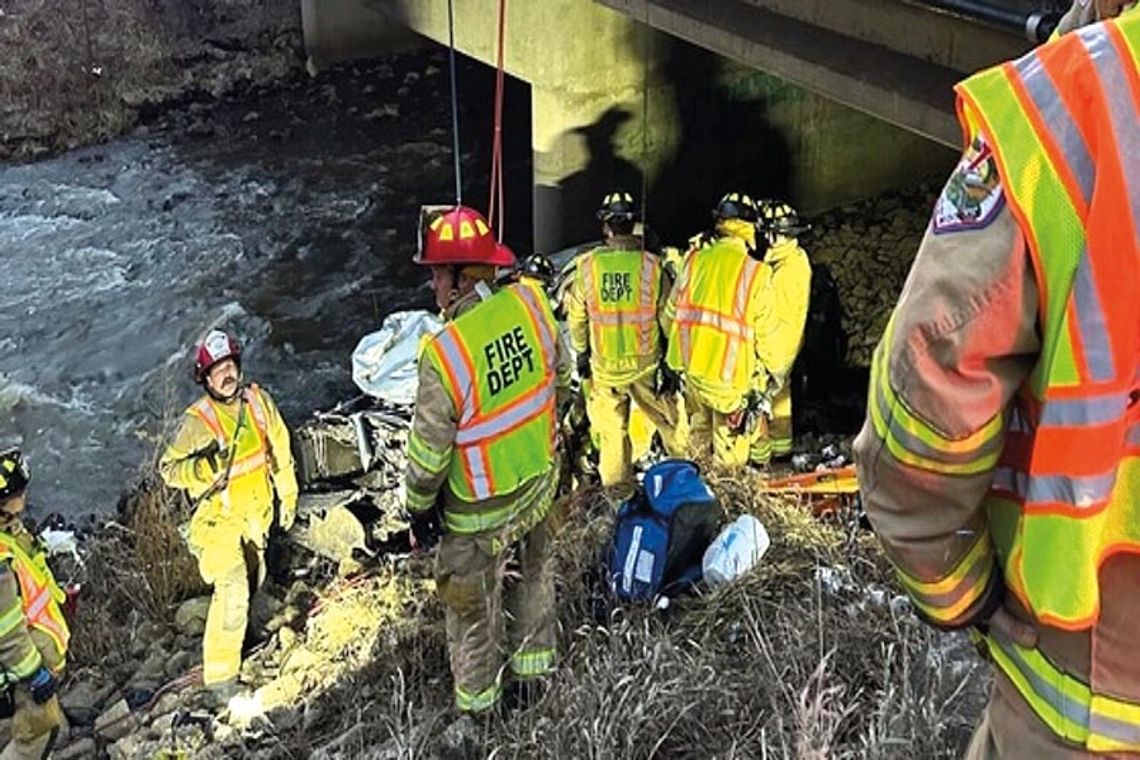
<point x="869" y="248"/>
<point x="90" y="70"/>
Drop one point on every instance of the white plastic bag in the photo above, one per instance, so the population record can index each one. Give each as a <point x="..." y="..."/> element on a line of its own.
<point x="735" y="551"/>
<point x="384" y="362"/>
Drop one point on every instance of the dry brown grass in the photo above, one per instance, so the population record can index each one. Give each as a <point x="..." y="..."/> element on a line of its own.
<point x="138" y="568"/>
<point x="784" y="663"/>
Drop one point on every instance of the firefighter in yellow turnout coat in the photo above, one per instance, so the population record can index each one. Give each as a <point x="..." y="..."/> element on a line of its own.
<point x="481" y="460"/>
<point x="715" y="320"/>
<point x="789" y="292"/>
<point x="33" y="632"/>
<point x="612" y="311"/>
<point x="231" y="454"/>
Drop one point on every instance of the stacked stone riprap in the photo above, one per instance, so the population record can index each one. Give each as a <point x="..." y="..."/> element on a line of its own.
<point x="869" y="248"/>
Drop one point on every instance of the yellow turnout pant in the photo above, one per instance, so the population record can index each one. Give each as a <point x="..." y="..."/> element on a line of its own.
<point x="778" y="441"/>
<point x="235" y="566"/>
<point x="34" y="727"/>
<point x="608" y="408"/>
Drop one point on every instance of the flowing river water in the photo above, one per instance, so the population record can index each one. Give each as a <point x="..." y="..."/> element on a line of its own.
<point x="289" y="216"/>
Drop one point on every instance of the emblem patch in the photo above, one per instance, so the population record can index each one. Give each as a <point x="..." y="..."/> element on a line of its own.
<point x="973" y="196"/>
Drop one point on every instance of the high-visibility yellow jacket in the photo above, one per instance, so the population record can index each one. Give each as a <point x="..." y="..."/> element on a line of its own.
<point x="489" y="386"/>
<point x="790" y="292"/>
<point x="33" y="631"/>
<point x="612" y="310"/>
<point x="715" y="320"/>
<point x="262" y="465"/>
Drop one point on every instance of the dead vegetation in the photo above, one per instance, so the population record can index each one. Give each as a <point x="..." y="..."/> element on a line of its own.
<point x="813" y="655"/>
<point x="82" y="71"/>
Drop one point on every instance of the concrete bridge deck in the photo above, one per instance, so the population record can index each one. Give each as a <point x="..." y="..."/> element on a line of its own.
<point x="758" y="110"/>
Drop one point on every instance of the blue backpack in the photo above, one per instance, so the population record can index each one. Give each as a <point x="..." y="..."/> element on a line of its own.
<point x="662" y="532"/>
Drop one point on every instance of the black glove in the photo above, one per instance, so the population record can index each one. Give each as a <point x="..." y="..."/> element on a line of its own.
<point x="426" y="529"/>
<point x="668" y="380"/>
<point x="584" y="370"/>
<point x="212" y="458"/>
<point x="42" y="685"/>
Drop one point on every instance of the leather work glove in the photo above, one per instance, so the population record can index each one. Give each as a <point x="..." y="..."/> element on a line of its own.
<point x="42" y="685"/>
<point x="668" y="380"/>
<point x="426" y="529"/>
<point x="584" y="371"/>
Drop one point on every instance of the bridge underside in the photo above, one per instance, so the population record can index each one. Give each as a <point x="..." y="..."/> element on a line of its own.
<point x="895" y="60"/>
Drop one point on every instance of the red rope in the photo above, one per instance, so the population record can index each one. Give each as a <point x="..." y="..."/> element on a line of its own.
<point x="496" y="199"/>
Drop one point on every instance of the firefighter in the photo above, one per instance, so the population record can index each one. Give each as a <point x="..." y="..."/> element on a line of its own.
<point x="33" y="631"/>
<point x="482" y="468"/>
<point x="232" y="456"/>
<point x="1000" y="460"/>
<point x="789" y="292"/>
<point x="612" y="310"/>
<point x="714" y="319"/>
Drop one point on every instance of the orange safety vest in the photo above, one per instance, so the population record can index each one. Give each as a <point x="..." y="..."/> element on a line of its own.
<point x="40" y="594"/>
<point x="250" y="458"/>
<point x="1064" y="123"/>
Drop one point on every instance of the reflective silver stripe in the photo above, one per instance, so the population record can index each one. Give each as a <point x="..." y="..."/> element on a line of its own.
<point x="33" y="610"/>
<point x="915" y="445"/>
<point x="1133" y="438"/>
<point x="1094" y="410"/>
<point x="259" y="417"/>
<point x="1082" y="492"/>
<point x="540" y="401"/>
<point x="1091" y="323"/>
<point x="967" y="585"/>
<point x="731" y="356"/>
<point x="538" y="316"/>
<point x="453" y="355"/>
<point x="744" y="287"/>
<point x="1121" y="107"/>
<point x="480" y="483"/>
<point x="1114" y="728"/>
<point x="1059" y="122"/>
<point x="1069" y="708"/>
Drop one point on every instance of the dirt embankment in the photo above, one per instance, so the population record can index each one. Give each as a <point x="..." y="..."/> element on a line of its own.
<point x="81" y="71"/>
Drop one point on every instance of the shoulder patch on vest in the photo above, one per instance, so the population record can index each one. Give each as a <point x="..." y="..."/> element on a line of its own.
<point x="973" y="196"/>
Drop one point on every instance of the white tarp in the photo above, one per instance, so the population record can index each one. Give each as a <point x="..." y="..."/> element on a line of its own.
<point x="384" y="362"/>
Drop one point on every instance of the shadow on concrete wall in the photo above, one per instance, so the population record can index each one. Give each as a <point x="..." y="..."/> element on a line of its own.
<point x="605" y="171"/>
<point x="723" y="143"/>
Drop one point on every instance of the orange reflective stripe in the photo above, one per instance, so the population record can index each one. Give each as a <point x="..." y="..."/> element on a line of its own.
<point x="537" y="314"/>
<point x="37" y="599"/>
<point x="646" y="315"/>
<point x="456" y="362"/>
<point x="205" y="411"/>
